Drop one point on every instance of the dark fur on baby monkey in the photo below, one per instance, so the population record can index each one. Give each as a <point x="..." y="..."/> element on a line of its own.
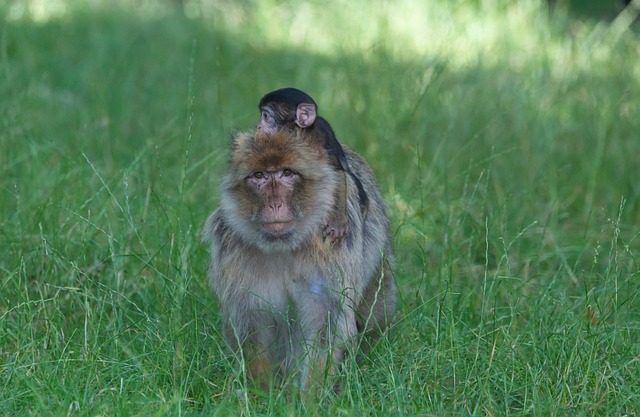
<point x="292" y="303"/>
<point x="290" y="108"/>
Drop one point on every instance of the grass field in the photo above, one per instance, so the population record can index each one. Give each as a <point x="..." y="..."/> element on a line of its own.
<point x="505" y="140"/>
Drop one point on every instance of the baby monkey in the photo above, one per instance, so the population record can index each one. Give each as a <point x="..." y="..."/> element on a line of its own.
<point x="290" y="108"/>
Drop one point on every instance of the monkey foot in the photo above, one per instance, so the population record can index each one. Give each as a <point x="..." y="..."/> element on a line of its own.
<point x="335" y="233"/>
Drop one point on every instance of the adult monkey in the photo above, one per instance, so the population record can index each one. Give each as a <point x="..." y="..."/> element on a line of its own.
<point x="290" y="108"/>
<point x="291" y="303"/>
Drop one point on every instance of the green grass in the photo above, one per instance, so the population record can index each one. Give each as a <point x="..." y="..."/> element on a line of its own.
<point x="506" y="143"/>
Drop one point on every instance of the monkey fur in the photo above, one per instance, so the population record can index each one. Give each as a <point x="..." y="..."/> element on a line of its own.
<point x="292" y="303"/>
<point x="290" y="108"/>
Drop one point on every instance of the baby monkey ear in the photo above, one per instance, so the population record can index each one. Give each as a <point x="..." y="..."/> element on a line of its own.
<point x="305" y="114"/>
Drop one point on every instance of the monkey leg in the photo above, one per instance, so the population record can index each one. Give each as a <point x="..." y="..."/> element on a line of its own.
<point x="363" y="198"/>
<point x="259" y="368"/>
<point x="254" y="334"/>
<point x="316" y="362"/>
<point x="337" y="224"/>
<point x="263" y="354"/>
<point x="328" y="333"/>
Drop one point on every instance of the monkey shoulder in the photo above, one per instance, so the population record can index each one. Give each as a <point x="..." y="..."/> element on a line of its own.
<point x="219" y="232"/>
<point x="357" y="163"/>
<point x="212" y="226"/>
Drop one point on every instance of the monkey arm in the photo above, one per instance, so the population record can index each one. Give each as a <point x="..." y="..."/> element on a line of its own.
<point x="337" y="224"/>
<point x="326" y="318"/>
<point x="363" y="198"/>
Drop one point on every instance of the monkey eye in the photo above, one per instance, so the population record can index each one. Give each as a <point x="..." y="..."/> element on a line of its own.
<point x="287" y="172"/>
<point x="258" y="175"/>
<point x="265" y="115"/>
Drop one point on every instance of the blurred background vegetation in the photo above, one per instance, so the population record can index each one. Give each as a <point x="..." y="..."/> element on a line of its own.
<point x="504" y="136"/>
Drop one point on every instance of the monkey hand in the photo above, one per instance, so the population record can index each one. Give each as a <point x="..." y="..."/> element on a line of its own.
<point x="335" y="232"/>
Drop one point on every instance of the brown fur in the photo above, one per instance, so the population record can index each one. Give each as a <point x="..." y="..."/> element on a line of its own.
<point x="293" y="303"/>
<point x="293" y="109"/>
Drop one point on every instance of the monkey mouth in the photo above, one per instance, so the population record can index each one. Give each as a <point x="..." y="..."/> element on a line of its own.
<point x="277" y="228"/>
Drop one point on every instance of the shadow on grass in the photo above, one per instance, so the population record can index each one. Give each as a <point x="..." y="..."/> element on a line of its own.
<point x="591" y="9"/>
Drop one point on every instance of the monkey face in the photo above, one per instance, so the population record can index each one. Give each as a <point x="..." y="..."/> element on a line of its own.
<point x="268" y="120"/>
<point x="274" y="189"/>
<point x="278" y="189"/>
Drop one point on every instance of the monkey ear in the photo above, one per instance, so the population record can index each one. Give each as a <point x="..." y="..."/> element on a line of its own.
<point x="305" y="114"/>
